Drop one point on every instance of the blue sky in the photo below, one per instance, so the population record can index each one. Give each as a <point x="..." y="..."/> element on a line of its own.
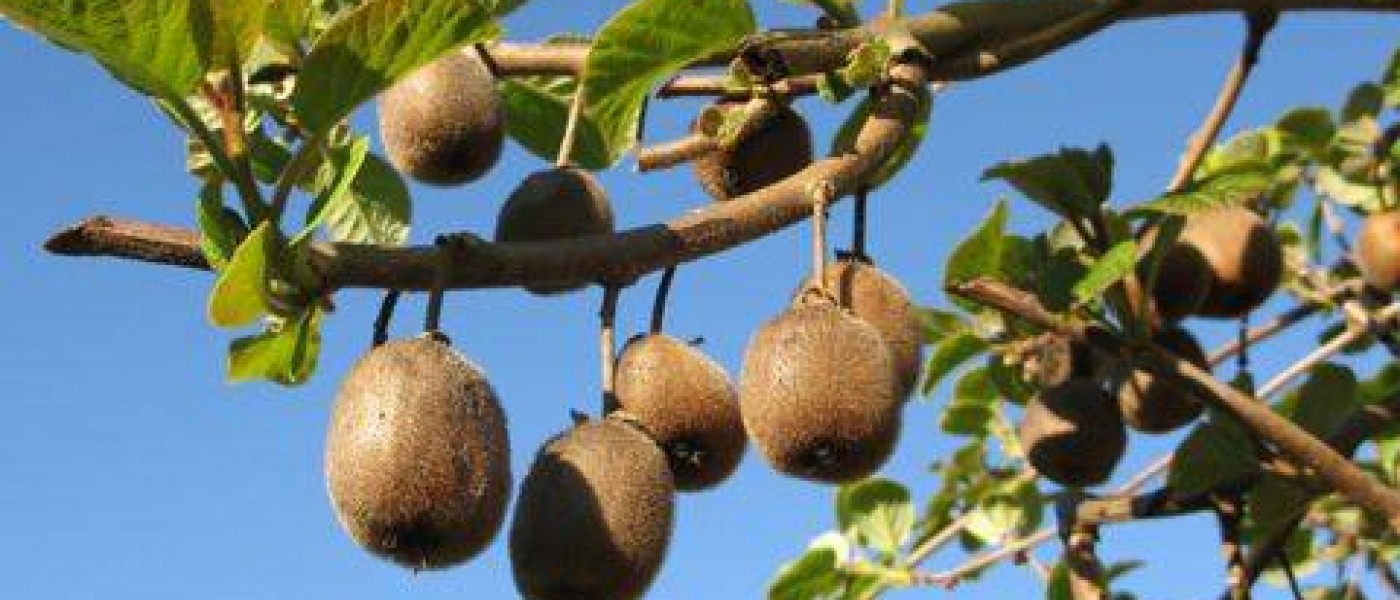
<point x="131" y="470"/>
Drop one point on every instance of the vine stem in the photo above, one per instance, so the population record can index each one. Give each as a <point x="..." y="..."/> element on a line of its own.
<point x="658" y="304"/>
<point x="607" y="345"/>
<point x="566" y="144"/>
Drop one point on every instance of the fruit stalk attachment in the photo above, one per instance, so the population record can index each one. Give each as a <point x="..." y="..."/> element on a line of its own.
<point x="822" y="196"/>
<point x="858" y="213"/>
<point x="658" y="305"/>
<point x="385" y="316"/>
<point x="432" y="322"/>
<point x="607" y="345"/>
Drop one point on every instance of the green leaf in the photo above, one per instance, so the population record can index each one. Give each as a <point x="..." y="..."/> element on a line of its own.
<point x="366" y="200"/>
<point x="1108" y="270"/>
<point x="227" y="30"/>
<point x="240" y="294"/>
<point x="878" y="511"/>
<point x="285" y="353"/>
<point x="1230" y="188"/>
<point x="899" y="157"/>
<point x="1309" y="129"/>
<point x="1072" y="183"/>
<point x="1324" y="400"/>
<point x="150" y="45"/>
<point x="973" y="408"/>
<point x="1390" y="80"/>
<point x="1059" y="588"/>
<point x="1364" y="102"/>
<point x="220" y="228"/>
<point x="375" y="44"/>
<point x="812" y="575"/>
<point x="940" y="324"/>
<point x="979" y="255"/>
<point x="646" y="42"/>
<point x="949" y="354"/>
<point x="866" y="65"/>
<point x="1360" y="195"/>
<point x="537" y="111"/>
<point x="844" y="11"/>
<point x="1216" y="452"/>
<point x="333" y="185"/>
<point x="1012" y="508"/>
<point x="288" y="21"/>
<point x="1272" y="503"/>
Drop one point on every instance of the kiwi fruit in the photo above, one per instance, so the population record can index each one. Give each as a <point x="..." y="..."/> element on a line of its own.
<point x="444" y="124"/>
<point x="880" y="300"/>
<point x="781" y="148"/>
<point x="594" y="515"/>
<point x="1151" y="406"/>
<point x="417" y="456"/>
<point x="1073" y="434"/>
<point x="686" y="402"/>
<point x="1242" y="256"/>
<point x="556" y="203"/>
<point x="1378" y="251"/>
<point x="1183" y="281"/>
<point x="818" y="393"/>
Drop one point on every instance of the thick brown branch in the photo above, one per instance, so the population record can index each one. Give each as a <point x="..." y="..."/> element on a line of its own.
<point x="1333" y="468"/>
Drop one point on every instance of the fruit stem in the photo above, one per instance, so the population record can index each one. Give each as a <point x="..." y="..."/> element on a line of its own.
<point x="663" y="293"/>
<point x="566" y="144"/>
<point x="386" y="314"/>
<point x="858" y="223"/>
<point x="607" y="345"/>
<point x="821" y="197"/>
<point x="433" y="322"/>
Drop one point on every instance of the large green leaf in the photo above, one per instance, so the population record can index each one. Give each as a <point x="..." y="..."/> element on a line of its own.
<point x="973" y="408"/>
<point x="1109" y="269"/>
<point x="980" y="254"/>
<point x="227" y="30"/>
<point x="373" y="45"/>
<point x="878" y="511"/>
<point x="1232" y="188"/>
<point x="151" y="45"/>
<point x="1390" y="80"/>
<point x="902" y="153"/>
<point x="360" y="198"/>
<point x="1218" y="451"/>
<point x="288" y="21"/>
<point x="220" y="228"/>
<point x="1324" y="401"/>
<point x="949" y="354"/>
<point x="241" y="293"/>
<point x="646" y="42"/>
<point x="813" y="575"/>
<point x="537" y="112"/>
<point x="1071" y="183"/>
<point x="285" y="353"/>
<point x="1310" y="129"/>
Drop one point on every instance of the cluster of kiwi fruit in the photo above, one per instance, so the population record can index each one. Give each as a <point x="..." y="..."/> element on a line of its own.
<point x="1225" y="263"/>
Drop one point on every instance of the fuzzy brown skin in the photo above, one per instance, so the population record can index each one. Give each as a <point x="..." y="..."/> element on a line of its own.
<point x="1243" y="256"/>
<point x="818" y="394"/>
<point x="880" y="300"/>
<point x="417" y="455"/>
<point x="1378" y="251"/>
<point x="1183" y="281"/>
<point x="770" y="155"/>
<point x="686" y="402"/>
<point x="1073" y="433"/>
<point x="1150" y="406"/>
<point x="557" y="203"/>
<point x="594" y="515"/>
<point x="444" y="124"/>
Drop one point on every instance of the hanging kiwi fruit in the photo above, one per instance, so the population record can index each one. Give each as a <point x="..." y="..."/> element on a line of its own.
<point x="444" y="124"/>
<point x="417" y="455"/>
<point x="1150" y="405"/>
<point x="782" y="147"/>
<point x="1378" y="251"/>
<point x="1238" y="251"/>
<point x="876" y="297"/>
<point x="684" y="399"/>
<point x="595" y="512"/>
<point x="1073" y="434"/>
<point x="818" y="391"/>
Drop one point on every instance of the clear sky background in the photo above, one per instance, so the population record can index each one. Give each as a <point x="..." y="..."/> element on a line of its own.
<point x="130" y="469"/>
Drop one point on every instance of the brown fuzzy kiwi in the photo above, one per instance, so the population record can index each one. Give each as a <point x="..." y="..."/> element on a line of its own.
<point x="444" y="124"/>
<point x="818" y="394"/>
<point x="1242" y="255"/>
<point x="686" y="402"/>
<point x="556" y="203"/>
<point x="1073" y="433"/>
<point x="781" y="148"/>
<point x="417" y="455"/>
<point x="880" y="300"/>
<point x="1378" y="251"/>
<point x="594" y="515"/>
<point x="1150" y="406"/>
<point x="1183" y="281"/>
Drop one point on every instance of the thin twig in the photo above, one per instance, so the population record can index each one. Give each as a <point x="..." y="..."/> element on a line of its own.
<point x="1265" y="331"/>
<point x="675" y="152"/>
<point x="1229" y="514"/>
<point x="566" y="144"/>
<point x="1259" y="23"/>
<point x="1317" y="356"/>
